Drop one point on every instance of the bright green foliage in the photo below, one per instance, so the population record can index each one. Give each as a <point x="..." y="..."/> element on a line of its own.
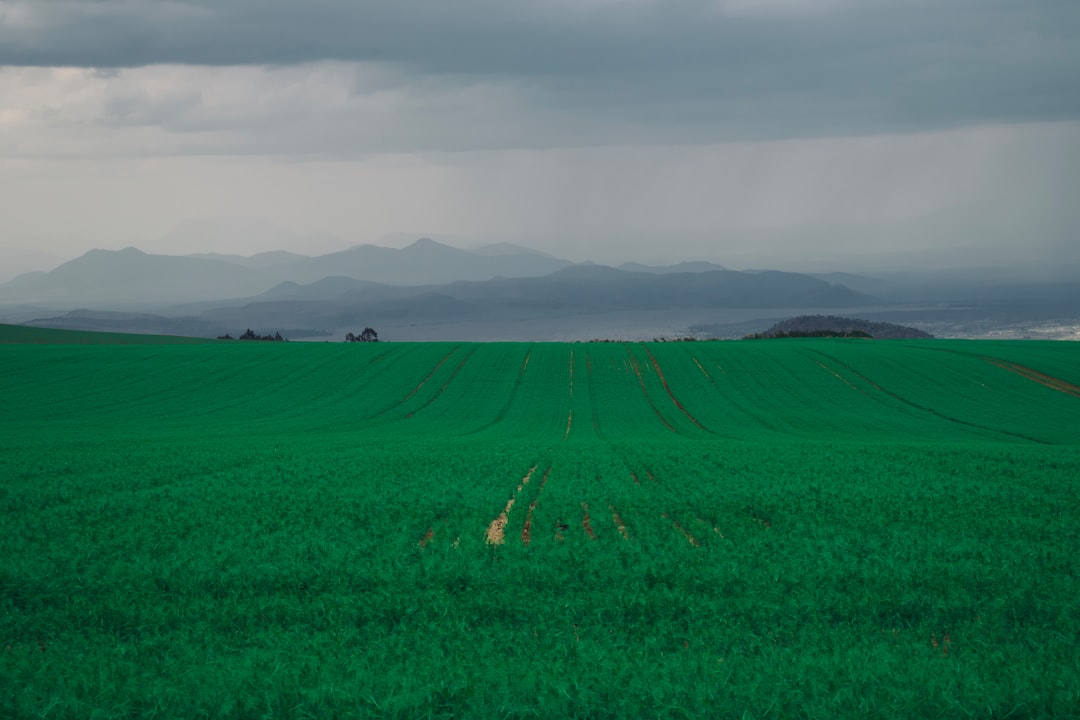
<point x="792" y="528"/>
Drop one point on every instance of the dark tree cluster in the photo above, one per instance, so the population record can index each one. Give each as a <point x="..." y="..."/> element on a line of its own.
<point x="366" y="335"/>
<point x="809" y="334"/>
<point x="249" y="334"/>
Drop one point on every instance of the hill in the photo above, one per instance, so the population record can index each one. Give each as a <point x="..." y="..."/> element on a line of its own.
<point x="25" y="335"/>
<point x="825" y="324"/>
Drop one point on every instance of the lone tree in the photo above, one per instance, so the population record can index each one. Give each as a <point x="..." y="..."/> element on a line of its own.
<point x="368" y="335"/>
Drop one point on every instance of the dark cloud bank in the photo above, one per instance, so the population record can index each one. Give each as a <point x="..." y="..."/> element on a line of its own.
<point x="699" y="71"/>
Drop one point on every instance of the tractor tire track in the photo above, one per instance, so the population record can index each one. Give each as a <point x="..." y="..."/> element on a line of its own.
<point x="510" y="400"/>
<point x="449" y="380"/>
<point x="619" y="524"/>
<point x="416" y="389"/>
<point x="496" y="529"/>
<point x="586" y="521"/>
<point x="1062" y="386"/>
<point x="925" y="409"/>
<point x="635" y="367"/>
<point x="664" y="382"/>
<point x="686" y="533"/>
<point x="526" y="530"/>
<point x="592" y="394"/>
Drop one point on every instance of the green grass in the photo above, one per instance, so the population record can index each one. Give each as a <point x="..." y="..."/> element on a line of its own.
<point x="813" y="528"/>
<point x="22" y="334"/>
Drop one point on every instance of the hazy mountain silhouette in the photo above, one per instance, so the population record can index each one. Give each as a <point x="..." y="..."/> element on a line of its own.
<point x="131" y="278"/>
<point x="428" y="284"/>
<point x="123" y="279"/>
<point x="694" y="266"/>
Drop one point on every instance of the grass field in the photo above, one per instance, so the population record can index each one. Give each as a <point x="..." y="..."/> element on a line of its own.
<point x="790" y="528"/>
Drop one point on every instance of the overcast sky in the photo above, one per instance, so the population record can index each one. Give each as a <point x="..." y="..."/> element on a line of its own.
<point x="789" y="133"/>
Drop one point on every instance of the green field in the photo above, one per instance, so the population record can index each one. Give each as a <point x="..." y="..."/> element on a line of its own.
<point x="788" y="528"/>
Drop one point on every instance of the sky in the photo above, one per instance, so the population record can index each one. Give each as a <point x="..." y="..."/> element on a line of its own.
<point x="797" y="134"/>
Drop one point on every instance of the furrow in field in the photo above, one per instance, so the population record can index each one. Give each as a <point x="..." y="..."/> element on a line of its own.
<point x="635" y="367"/>
<point x="571" y="374"/>
<point x="496" y="530"/>
<point x="715" y="529"/>
<point x="449" y="380"/>
<point x="526" y="530"/>
<point x="841" y="378"/>
<point x="923" y="408"/>
<point x="570" y="412"/>
<point x="664" y="382"/>
<point x="686" y="533"/>
<point x="619" y="524"/>
<point x="1043" y="379"/>
<point x="701" y="367"/>
<point x="592" y="395"/>
<point x="586" y="521"/>
<point x="496" y="533"/>
<point x="513" y="392"/>
<point x="428" y="377"/>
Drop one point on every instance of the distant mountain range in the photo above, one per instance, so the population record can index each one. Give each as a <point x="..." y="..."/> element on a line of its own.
<point x="123" y="279"/>
<point x="432" y="290"/>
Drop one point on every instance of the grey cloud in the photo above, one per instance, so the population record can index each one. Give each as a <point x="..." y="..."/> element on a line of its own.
<point x="646" y="70"/>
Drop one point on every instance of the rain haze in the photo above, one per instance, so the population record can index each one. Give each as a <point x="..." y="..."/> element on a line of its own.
<point x="792" y="134"/>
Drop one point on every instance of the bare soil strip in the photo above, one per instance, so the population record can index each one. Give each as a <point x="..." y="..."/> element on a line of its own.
<point x="663" y="380"/>
<point x="525" y="363"/>
<point x="569" y="422"/>
<point x="496" y="530"/>
<point x="686" y="533"/>
<point x="635" y="366"/>
<point x="619" y="524"/>
<point x="427" y="537"/>
<point x="586" y="521"/>
<point x="635" y="477"/>
<point x="1043" y="379"/>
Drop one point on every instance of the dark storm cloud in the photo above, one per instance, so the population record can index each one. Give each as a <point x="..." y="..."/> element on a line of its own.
<point x="696" y="70"/>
